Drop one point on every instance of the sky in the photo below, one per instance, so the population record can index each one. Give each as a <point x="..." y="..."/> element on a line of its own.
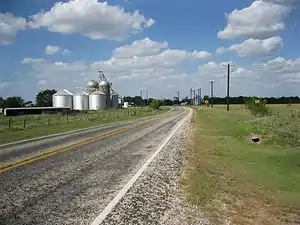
<point x="159" y="46"/>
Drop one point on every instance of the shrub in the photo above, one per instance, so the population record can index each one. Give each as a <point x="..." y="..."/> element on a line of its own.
<point x="155" y="104"/>
<point x="258" y="107"/>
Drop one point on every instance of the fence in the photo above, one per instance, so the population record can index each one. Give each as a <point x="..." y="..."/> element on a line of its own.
<point x="30" y="121"/>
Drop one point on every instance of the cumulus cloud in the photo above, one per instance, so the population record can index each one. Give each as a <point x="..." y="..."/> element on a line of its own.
<point x="157" y="67"/>
<point x="262" y="19"/>
<point x="140" y="48"/>
<point x="9" y="27"/>
<point x="285" y="69"/>
<point x="275" y="77"/>
<point x="51" y="50"/>
<point x="91" y="18"/>
<point x="254" y="47"/>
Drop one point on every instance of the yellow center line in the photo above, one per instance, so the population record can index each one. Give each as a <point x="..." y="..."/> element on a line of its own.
<point x="6" y="167"/>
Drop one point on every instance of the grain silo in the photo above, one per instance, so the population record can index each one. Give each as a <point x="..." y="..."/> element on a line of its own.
<point x="81" y="101"/>
<point x="92" y="86"/>
<point x="63" y="99"/>
<point x="104" y="87"/>
<point x="115" y="100"/>
<point x="97" y="101"/>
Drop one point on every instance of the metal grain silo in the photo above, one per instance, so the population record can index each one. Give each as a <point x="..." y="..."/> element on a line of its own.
<point x="81" y="101"/>
<point x="92" y="86"/>
<point x="115" y="100"/>
<point x="104" y="87"/>
<point x="63" y="99"/>
<point x="97" y="100"/>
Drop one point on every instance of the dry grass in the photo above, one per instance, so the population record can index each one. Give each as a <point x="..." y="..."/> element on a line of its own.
<point x="235" y="181"/>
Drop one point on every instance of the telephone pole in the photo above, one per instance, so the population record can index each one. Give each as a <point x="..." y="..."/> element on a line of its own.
<point x="228" y="85"/>
<point x="228" y="76"/>
<point x="211" y="92"/>
<point x="200" y="95"/>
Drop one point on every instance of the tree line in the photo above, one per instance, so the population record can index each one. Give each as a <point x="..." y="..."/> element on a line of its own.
<point x="243" y="99"/>
<point x="44" y="99"/>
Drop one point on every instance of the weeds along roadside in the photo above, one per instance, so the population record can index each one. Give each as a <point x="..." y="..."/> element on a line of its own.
<point x="231" y="178"/>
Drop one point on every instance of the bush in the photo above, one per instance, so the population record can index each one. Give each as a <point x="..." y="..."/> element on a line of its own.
<point x="155" y="104"/>
<point x="258" y="107"/>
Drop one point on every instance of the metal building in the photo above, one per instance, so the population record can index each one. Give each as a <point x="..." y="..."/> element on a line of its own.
<point x="63" y="99"/>
<point x="81" y="101"/>
<point x="97" y="101"/>
<point x="115" y="100"/>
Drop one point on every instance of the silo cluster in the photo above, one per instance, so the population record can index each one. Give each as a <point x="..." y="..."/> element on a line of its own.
<point x="97" y="96"/>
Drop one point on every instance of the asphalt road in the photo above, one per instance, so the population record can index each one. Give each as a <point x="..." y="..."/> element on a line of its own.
<point x="74" y="185"/>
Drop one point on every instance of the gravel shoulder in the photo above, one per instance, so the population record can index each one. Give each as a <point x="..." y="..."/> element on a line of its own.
<point x="156" y="197"/>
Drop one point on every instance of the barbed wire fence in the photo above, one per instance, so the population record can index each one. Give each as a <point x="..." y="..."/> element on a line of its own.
<point x="32" y="121"/>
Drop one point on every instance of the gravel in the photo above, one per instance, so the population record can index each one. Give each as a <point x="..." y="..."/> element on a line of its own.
<point x="156" y="198"/>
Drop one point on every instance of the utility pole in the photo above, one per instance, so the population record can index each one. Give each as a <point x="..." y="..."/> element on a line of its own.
<point x="211" y="92"/>
<point x="200" y="95"/>
<point x="178" y="95"/>
<point x="191" y="92"/>
<point x="228" y="65"/>
<point x="228" y="76"/>
<point x="147" y="95"/>
<point x="194" y="97"/>
<point x="142" y="97"/>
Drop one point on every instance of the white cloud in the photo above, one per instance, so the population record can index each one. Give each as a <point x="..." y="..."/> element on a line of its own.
<point x="140" y="48"/>
<point x="284" y="69"/>
<point x="262" y="19"/>
<point x="255" y="47"/>
<point x="127" y="64"/>
<point x="283" y="2"/>
<point x="91" y="18"/>
<point x="66" y="52"/>
<point x="51" y="50"/>
<point x="32" y="60"/>
<point x="9" y="27"/>
<point x="156" y="70"/>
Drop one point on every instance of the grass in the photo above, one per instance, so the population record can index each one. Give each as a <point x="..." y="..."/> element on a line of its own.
<point x="233" y="179"/>
<point x="23" y="127"/>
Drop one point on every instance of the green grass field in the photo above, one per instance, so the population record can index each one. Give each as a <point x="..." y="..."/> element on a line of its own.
<point x="231" y="178"/>
<point x="23" y="127"/>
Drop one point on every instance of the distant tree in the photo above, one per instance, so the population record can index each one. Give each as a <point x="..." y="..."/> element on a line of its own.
<point x="128" y="99"/>
<point x="155" y="104"/>
<point x="2" y="102"/>
<point x="14" y="102"/>
<point x="206" y="97"/>
<point x="44" y="98"/>
<point x="138" y="100"/>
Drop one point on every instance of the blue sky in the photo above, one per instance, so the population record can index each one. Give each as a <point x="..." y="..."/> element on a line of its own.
<point x="165" y="47"/>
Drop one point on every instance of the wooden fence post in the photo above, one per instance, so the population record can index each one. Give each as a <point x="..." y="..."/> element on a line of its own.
<point x="10" y="122"/>
<point x="24" y="122"/>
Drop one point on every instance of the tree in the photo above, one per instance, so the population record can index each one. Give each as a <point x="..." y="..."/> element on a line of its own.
<point x="44" y="98"/>
<point x="2" y="102"/>
<point x="14" y="102"/>
<point x="155" y="104"/>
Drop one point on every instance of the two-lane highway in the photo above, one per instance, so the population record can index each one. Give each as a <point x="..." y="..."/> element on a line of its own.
<point x="71" y="179"/>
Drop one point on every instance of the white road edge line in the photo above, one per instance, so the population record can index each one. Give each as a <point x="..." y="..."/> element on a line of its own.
<point x="108" y="209"/>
